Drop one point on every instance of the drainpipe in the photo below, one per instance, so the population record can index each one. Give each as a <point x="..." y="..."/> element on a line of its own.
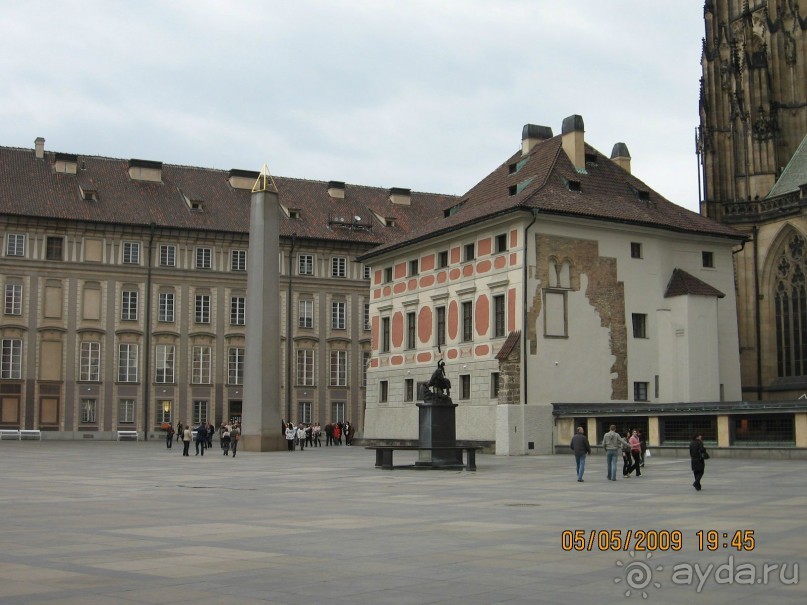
<point x="288" y="331"/>
<point x="524" y="373"/>
<point x="147" y="380"/>
<point x="757" y="327"/>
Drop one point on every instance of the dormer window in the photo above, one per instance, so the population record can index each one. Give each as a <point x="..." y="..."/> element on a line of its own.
<point x="390" y="221"/>
<point x="575" y="186"/>
<point x="294" y="213"/>
<point x="196" y="205"/>
<point x="89" y="195"/>
<point x="644" y="195"/>
<point x="591" y="159"/>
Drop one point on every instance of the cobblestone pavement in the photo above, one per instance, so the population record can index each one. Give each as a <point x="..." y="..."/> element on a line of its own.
<point x="103" y="523"/>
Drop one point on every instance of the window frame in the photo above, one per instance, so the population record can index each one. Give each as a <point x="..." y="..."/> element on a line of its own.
<point x="166" y="307"/>
<point x="165" y="358"/>
<point x="385" y="335"/>
<point x="338" y="315"/>
<point x="467" y="310"/>
<point x="305" y="264"/>
<point x="88" y="410"/>
<point x="411" y="330"/>
<point x="639" y="325"/>
<point x="19" y="240"/>
<point x="339" y="266"/>
<point x="305" y="375"/>
<point x="203" y="258"/>
<point x="201" y="364"/>
<point x="130" y="300"/>
<point x="202" y="308"/>
<point x="129" y="371"/>
<point x="500" y="243"/>
<point x="469" y="252"/>
<point x="238" y="310"/>
<point x="11" y="358"/>
<point x="89" y="361"/>
<point x="305" y="313"/>
<point x="168" y="255"/>
<point x="131" y="253"/>
<point x="13" y="299"/>
<point x="636" y="250"/>
<point x="235" y="365"/>
<point x="238" y="260"/>
<point x="338" y="368"/>
<point x="499" y="316"/>
<point x="54" y="247"/>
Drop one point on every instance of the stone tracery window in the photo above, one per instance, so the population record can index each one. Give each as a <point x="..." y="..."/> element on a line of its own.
<point x="790" y="299"/>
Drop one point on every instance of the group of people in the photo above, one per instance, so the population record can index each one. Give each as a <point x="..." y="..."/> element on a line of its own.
<point x="633" y="447"/>
<point x="229" y="436"/>
<point x="310" y="434"/>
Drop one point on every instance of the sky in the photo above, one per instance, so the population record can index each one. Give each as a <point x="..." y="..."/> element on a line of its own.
<point x="429" y="95"/>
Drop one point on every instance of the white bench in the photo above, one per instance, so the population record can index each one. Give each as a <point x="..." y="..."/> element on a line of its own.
<point x="127" y="435"/>
<point x="30" y="433"/>
<point x="9" y="433"/>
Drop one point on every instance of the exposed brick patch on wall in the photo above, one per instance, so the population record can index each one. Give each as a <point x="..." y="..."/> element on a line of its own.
<point x="510" y="378"/>
<point x="605" y="293"/>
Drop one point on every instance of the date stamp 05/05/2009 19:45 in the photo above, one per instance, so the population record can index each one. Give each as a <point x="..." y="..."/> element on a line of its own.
<point x="617" y="540"/>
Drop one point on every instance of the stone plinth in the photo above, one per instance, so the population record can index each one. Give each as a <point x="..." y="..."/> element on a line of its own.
<point x="438" y="430"/>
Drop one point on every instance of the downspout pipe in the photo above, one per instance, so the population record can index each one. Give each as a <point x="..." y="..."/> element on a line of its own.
<point x="524" y="373"/>
<point x="289" y="329"/>
<point x="147" y="356"/>
<point x="757" y="312"/>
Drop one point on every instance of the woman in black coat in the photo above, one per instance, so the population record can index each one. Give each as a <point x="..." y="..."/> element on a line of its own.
<point x="698" y="455"/>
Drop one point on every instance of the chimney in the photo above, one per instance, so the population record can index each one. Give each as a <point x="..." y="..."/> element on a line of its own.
<point x="39" y="147"/>
<point x="532" y="134"/>
<point x="621" y="156"/>
<point x="573" y="141"/>
<point x="336" y="189"/>
<point x="399" y="195"/>
<point x="146" y="170"/>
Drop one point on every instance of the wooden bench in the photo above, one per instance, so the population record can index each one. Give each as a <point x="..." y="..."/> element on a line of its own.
<point x="30" y="434"/>
<point x="383" y="454"/>
<point x="14" y="433"/>
<point x="126" y="435"/>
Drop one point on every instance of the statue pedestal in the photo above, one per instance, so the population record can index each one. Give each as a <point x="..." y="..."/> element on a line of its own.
<point x="438" y="430"/>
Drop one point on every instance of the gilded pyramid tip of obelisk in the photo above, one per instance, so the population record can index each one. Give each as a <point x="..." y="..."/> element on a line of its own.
<point x="265" y="181"/>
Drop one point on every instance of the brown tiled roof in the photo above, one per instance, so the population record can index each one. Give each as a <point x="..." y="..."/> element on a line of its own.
<point x="31" y="187"/>
<point x="509" y="345"/>
<point x="606" y="192"/>
<point x="682" y="283"/>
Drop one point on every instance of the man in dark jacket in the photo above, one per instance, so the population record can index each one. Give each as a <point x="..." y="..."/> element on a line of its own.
<point x="698" y="455"/>
<point x="201" y="438"/>
<point x="581" y="448"/>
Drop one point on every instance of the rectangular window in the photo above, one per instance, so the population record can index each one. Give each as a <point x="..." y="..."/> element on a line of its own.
<point x="465" y="386"/>
<point x="238" y="311"/>
<point x="409" y="389"/>
<point x="238" y="260"/>
<point x="338" y="266"/>
<point x="131" y="253"/>
<point x="440" y="330"/>
<point x="442" y="259"/>
<point x="410" y="330"/>
<point x="89" y="408"/>
<point x="200" y="365"/>
<point x="498" y="316"/>
<point x="13" y="299"/>
<point x="235" y="365"/>
<point x="366" y="316"/>
<point x="126" y="411"/>
<point x="639" y="325"/>
<point x="164" y="358"/>
<point x="90" y="362"/>
<point x="494" y="385"/>
<point x="305" y="367"/>
<point x="54" y="248"/>
<point x="635" y="250"/>
<point x="383" y="391"/>
<point x="204" y="258"/>
<point x="127" y="362"/>
<point x="387" y="275"/>
<point x="467" y="321"/>
<point x="168" y="255"/>
<point x="11" y="366"/>
<point x="365" y="364"/>
<point x="15" y="244"/>
<point x="165" y="312"/>
<point x="202" y="306"/>
<point x="304" y="412"/>
<point x="338" y="315"/>
<point x="708" y="259"/>
<point x="414" y="268"/>
<point x="385" y="334"/>
<point x="305" y="309"/>
<point x="338" y="368"/>
<point x="199" y="411"/>
<point x="501" y="243"/>
<point x="305" y="264"/>
<point x="338" y="411"/>
<point x="367" y="271"/>
<point x="163" y="412"/>
<point x="128" y="308"/>
<point x="640" y="391"/>
<point x="469" y="252"/>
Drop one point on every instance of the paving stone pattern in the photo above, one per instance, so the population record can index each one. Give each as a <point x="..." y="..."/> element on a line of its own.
<point x="126" y="523"/>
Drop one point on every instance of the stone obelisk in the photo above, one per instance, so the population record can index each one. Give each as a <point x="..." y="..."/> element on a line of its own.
<point x="261" y="427"/>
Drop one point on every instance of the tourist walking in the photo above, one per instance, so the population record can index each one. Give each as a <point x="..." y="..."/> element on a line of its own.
<point x="291" y="433"/>
<point x="317" y="434"/>
<point x="699" y="456"/>
<point x="187" y="435"/>
<point x="612" y="443"/>
<point x="235" y="437"/>
<point x="581" y="447"/>
<point x="301" y="436"/>
<point x="328" y="434"/>
<point x="169" y="436"/>
<point x="636" y="453"/>
<point x="225" y="442"/>
<point x="201" y="438"/>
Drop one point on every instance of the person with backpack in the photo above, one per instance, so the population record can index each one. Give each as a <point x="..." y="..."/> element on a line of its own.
<point x="225" y="441"/>
<point x="235" y="437"/>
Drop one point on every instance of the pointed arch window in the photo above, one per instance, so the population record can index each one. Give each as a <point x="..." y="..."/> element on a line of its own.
<point x="790" y="299"/>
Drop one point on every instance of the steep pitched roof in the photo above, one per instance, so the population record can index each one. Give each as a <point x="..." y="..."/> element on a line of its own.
<point x="510" y="345"/>
<point x="794" y="176"/>
<point x="682" y="283"/>
<point x="546" y="181"/>
<point x="32" y="187"/>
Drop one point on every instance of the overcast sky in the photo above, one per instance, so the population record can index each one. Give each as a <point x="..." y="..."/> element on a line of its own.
<point x="425" y="94"/>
